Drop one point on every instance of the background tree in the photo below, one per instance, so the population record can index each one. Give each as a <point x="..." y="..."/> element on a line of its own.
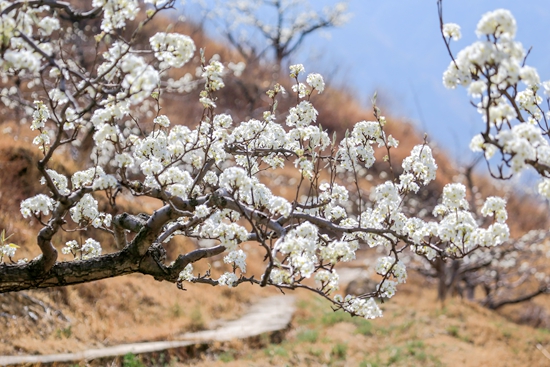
<point x="267" y="32"/>
<point x="273" y="28"/>
<point x="505" y="92"/>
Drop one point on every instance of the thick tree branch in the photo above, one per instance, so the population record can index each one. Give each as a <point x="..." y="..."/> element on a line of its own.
<point x="496" y="305"/>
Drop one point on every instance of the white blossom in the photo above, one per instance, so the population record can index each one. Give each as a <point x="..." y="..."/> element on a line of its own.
<point x="295" y="70"/>
<point x="172" y="48"/>
<point x="238" y="258"/>
<point x="39" y="204"/>
<point x="228" y="279"/>
<point x="452" y="30"/>
<point x="187" y="273"/>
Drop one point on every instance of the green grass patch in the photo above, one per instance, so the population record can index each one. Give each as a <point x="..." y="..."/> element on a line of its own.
<point x="316" y="352"/>
<point x="227" y="356"/>
<point x="339" y="351"/>
<point x="308" y="336"/>
<point x="370" y="363"/>
<point x="64" y="333"/>
<point x="332" y="318"/>
<point x="396" y="355"/>
<point x="131" y="360"/>
<point x="415" y="349"/>
<point x="363" y="326"/>
<point x="452" y="330"/>
<point x="275" y="350"/>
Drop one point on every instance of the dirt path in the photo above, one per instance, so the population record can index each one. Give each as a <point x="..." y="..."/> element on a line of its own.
<point x="269" y="315"/>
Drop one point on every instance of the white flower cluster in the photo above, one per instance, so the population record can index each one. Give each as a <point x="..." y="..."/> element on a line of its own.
<point x="37" y="205"/>
<point x="95" y="177"/>
<point x="139" y="80"/>
<point x="301" y="244"/>
<point x="529" y="101"/>
<point x="295" y="70"/>
<point x="500" y="22"/>
<point x="238" y="258"/>
<point x="420" y="167"/>
<point x="228" y="279"/>
<point x="202" y="211"/>
<point x="387" y="289"/>
<point x="280" y="276"/>
<point x="506" y="54"/>
<point x="250" y="191"/>
<point x="255" y="134"/>
<point x="20" y="57"/>
<point x="459" y="228"/>
<point x="454" y="197"/>
<point x="162" y="120"/>
<point x="60" y="181"/>
<point x="303" y="115"/>
<point x="39" y="116"/>
<point x="90" y="249"/>
<point x="490" y="68"/>
<point x="328" y="199"/>
<point x="86" y="211"/>
<point x="339" y="251"/>
<point x="229" y="234"/>
<point x="172" y="48"/>
<point x="301" y="89"/>
<point x="279" y="205"/>
<point x="71" y="247"/>
<point x="387" y="198"/>
<point x="186" y="274"/>
<point x="212" y="73"/>
<point x="329" y="280"/>
<point x="116" y="13"/>
<point x="333" y="193"/>
<point x="495" y="206"/>
<point x="387" y="265"/>
<point x="42" y="140"/>
<point x="316" y="82"/>
<point x="526" y="143"/>
<point x="544" y="187"/>
<point x="73" y="119"/>
<point x="356" y="149"/>
<point x="8" y="250"/>
<point x="452" y="30"/>
<point x="478" y="145"/>
<point x="360" y="307"/>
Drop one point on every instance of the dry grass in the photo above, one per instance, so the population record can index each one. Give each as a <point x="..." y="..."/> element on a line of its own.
<point x="416" y="330"/>
<point x="114" y="311"/>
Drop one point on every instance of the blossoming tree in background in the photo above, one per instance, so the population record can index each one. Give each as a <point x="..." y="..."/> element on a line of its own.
<point x="208" y="178"/>
<point x="267" y="33"/>
<point x="514" y="105"/>
<point x="507" y="93"/>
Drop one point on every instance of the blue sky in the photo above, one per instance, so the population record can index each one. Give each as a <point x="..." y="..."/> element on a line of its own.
<point x="394" y="47"/>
